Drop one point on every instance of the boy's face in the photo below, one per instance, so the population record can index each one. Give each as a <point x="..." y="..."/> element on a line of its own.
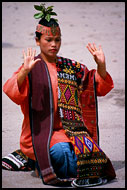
<point x="49" y="45"/>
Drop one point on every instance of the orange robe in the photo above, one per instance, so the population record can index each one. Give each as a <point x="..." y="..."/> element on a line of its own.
<point x="22" y="98"/>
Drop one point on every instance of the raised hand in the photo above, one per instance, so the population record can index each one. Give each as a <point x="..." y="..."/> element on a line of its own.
<point x="29" y="61"/>
<point x="97" y="53"/>
<point x="99" y="58"/>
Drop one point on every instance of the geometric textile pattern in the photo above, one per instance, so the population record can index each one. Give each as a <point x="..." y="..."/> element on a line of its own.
<point x="70" y="74"/>
<point x="17" y="161"/>
<point x="91" y="160"/>
<point x="89" y="144"/>
<point x="68" y="94"/>
<point x="83" y="144"/>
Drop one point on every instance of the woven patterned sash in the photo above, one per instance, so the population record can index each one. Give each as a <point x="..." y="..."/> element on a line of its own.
<point x="41" y="120"/>
<point x="90" y="158"/>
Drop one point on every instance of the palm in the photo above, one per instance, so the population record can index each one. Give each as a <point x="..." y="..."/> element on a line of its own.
<point x="97" y="53"/>
<point x="99" y="57"/>
<point x="29" y="61"/>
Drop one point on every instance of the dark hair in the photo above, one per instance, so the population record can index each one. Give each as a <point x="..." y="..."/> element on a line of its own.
<point x="44" y="22"/>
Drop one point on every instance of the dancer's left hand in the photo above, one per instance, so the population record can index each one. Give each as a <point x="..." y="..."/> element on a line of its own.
<point x="97" y="53"/>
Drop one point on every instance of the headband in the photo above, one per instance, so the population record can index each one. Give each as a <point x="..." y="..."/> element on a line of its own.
<point x="53" y="30"/>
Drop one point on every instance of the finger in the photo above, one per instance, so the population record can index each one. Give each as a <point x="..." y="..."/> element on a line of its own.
<point x="24" y="55"/>
<point x="91" y="46"/>
<point x="28" y="51"/>
<point x="100" y="47"/>
<point x="34" y="53"/>
<point x="37" y="60"/>
<point x="94" y="45"/>
<point x="90" y="49"/>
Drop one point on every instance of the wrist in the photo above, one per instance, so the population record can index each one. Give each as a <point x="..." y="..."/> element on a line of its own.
<point x="101" y="69"/>
<point x="24" y="71"/>
<point x="21" y="76"/>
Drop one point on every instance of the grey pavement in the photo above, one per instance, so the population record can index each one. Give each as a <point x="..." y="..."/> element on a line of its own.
<point x="80" y="22"/>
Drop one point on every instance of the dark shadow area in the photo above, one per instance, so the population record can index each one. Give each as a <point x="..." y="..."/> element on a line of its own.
<point x="118" y="164"/>
<point x="7" y="45"/>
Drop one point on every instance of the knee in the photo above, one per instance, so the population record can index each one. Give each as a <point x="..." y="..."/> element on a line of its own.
<point x="57" y="155"/>
<point x="63" y="160"/>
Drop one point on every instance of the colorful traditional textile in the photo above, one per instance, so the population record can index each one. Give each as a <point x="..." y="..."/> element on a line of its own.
<point x="89" y="105"/>
<point x="17" y="161"/>
<point x="20" y="98"/>
<point x="41" y="119"/>
<point x="70" y="88"/>
<point x="53" y="30"/>
<point x="70" y="76"/>
<point x="91" y="159"/>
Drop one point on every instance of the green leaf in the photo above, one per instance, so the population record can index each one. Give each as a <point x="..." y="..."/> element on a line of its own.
<point x="50" y="8"/>
<point x="43" y="9"/>
<point x="45" y="12"/>
<point x="53" y="13"/>
<point x="48" y="17"/>
<point x="37" y="7"/>
<point x="56" y="20"/>
<point x="39" y="15"/>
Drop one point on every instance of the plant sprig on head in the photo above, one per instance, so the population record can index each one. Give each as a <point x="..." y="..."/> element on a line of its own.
<point x="44" y="12"/>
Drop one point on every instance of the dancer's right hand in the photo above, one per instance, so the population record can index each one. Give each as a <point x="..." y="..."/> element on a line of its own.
<point x="29" y="61"/>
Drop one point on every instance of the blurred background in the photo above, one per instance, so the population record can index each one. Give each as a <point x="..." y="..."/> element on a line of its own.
<point x="80" y="23"/>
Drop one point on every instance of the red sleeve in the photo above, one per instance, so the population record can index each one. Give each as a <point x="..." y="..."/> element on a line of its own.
<point x="11" y="89"/>
<point x="103" y="86"/>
